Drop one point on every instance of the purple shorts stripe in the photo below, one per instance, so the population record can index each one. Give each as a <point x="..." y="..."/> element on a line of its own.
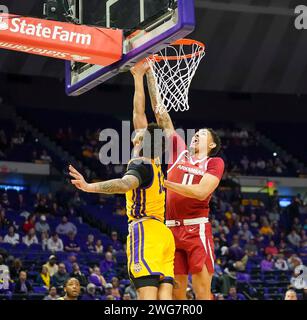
<point x="142" y="249"/>
<point x="136" y="243"/>
<point x="138" y="203"/>
<point x="131" y="248"/>
<point x="144" y="203"/>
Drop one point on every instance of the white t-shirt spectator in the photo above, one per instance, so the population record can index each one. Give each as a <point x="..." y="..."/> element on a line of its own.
<point x="29" y="241"/>
<point x="12" y="239"/>
<point x="55" y="246"/>
<point x="65" y="228"/>
<point x="281" y="264"/>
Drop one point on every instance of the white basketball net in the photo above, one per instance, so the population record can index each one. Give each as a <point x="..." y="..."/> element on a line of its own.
<point x="173" y="76"/>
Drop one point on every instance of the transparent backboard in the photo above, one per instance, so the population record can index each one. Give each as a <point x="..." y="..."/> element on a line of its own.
<point x="148" y="26"/>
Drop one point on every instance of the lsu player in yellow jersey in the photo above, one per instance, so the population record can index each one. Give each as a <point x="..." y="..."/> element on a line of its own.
<point x="150" y="244"/>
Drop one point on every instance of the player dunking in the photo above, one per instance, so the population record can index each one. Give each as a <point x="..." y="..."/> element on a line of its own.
<point x="193" y="175"/>
<point x="150" y="244"/>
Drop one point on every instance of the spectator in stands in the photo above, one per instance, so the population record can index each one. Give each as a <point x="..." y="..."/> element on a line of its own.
<point x="4" y="222"/>
<point x="294" y="239"/>
<point x="45" y="158"/>
<point x="76" y="201"/>
<point x="251" y="249"/>
<point x="99" y="247"/>
<point x="59" y="278"/>
<point x="294" y="261"/>
<point x="30" y="238"/>
<point x="233" y="295"/>
<point x="253" y="221"/>
<point x="126" y="297"/>
<point x="55" y="244"/>
<point x="267" y="264"/>
<point x="21" y="204"/>
<point x="115" y="290"/>
<point x="290" y="295"/>
<point x="271" y="249"/>
<point x="131" y="291"/>
<point x="97" y="278"/>
<point x="116" y="244"/>
<point x="223" y="228"/>
<point x="12" y="237"/>
<point x="22" y="285"/>
<point x="42" y="207"/>
<point x="245" y="233"/>
<point x="266" y="229"/>
<point x="294" y="209"/>
<point x="65" y="227"/>
<point x="71" y="244"/>
<point x="15" y="269"/>
<point x="71" y="259"/>
<point x="90" y="243"/>
<point x="3" y="267"/>
<point x="43" y="279"/>
<point x="296" y="225"/>
<point x="42" y="225"/>
<point x="53" y="295"/>
<point x="29" y="224"/>
<point x="5" y="203"/>
<point x="281" y="263"/>
<point x="76" y="273"/>
<point x="109" y="293"/>
<point x="90" y="293"/>
<point x="44" y="240"/>
<point x="51" y="265"/>
<point x="108" y="263"/>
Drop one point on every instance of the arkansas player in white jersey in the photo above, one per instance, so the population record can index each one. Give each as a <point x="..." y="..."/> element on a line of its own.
<point x="193" y="176"/>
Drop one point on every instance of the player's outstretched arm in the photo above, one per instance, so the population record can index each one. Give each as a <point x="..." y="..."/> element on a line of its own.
<point x="139" y="116"/>
<point x="115" y="186"/>
<point x="199" y="191"/>
<point x="164" y="120"/>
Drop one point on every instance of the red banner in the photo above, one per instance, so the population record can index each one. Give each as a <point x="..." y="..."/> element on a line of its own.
<point x="61" y="40"/>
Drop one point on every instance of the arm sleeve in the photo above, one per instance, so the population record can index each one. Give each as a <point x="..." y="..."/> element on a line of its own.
<point x="142" y="171"/>
<point x="216" y="167"/>
<point x="176" y="146"/>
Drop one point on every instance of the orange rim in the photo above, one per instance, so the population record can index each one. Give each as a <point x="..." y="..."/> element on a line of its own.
<point x="181" y="42"/>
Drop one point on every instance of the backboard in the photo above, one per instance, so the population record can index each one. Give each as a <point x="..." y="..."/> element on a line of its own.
<point x="149" y="26"/>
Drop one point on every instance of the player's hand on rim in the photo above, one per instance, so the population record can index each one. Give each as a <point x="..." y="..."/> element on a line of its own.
<point x="78" y="181"/>
<point x="140" y="68"/>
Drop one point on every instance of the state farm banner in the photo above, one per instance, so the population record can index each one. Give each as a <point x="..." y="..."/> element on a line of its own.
<point x="61" y="40"/>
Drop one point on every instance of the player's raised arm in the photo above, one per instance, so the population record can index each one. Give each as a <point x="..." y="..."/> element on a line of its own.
<point x="164" y="120"/>
<point x="139" y="116"/>
<point x="115" y="186"/>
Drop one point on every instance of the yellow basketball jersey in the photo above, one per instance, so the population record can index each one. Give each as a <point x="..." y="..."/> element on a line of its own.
<point x="149" y="201"/>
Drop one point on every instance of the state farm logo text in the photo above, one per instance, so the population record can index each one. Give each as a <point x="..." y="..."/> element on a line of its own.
<point x="56" y="32"/>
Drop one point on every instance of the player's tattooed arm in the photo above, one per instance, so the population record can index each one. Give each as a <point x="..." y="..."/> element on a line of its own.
<point x="199" y="191"/>
<point x="164" y="120"/>
<point x="115" y="186"/>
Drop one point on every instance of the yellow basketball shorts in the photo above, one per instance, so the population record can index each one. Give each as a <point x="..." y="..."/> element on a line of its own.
<point x="150" y="250"/>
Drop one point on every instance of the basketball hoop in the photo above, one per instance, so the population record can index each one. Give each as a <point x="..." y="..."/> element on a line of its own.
<point x="174" y="68"/>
